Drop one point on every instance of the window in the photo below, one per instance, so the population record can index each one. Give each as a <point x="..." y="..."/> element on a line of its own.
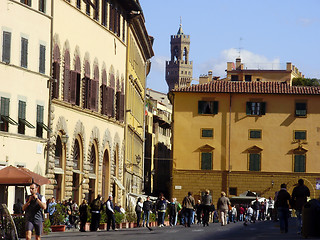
<point x="40" y="124"/>
<point x="24" y="52"/>
<point x="42" y="59"/>
<point x="256" y="108"/>
<point x="22" y="118"/>
<point x="124" y="28"/>
<point x="247" y="78"/>
<point x="79" y="4"/>
<point x="255" y="134"/>
<point x="88" y="8"/>
<point x="96" y="10"/>
<point x="6" y="47"/>
<point x="300" y="135"/>
<point x="208" y="107"/>
<point x="206" y="160"/>
<point x="104" y="14"/>
<point x="207" y="133"/>
<point x="42" y="6"/>
<point x="301" y="109"/>
<point x="27" y="2"/>
<point x="5" y="119"/>
<point x="299" y="163"/>
<point x="234" y="78"/>
<point x="233" y="191"/>
<point x="254" y="161"/>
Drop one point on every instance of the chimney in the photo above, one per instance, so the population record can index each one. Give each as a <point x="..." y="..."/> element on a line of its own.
<point x="238" y="63"/>
<point x="210" y="75"/>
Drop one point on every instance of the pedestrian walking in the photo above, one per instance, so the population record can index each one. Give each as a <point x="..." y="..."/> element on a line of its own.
<point x="173" y="210"/>
<point x="256" y="210"/>
<point x="223" y="207"/>
<point x="161" y="207"/>
<point x="299" y="198"/>
<point x="147" y="207"/>
<point x="282" y="204"/>
<point x="110" y="214"/>
<point x="270" y="213"/>
<point x="96" y="207"/>
<point x="83" y="211"/>
<point x="188" y="206"/>
<point x="206" y="203"/>
<point x="138" y="210"/>
<point x="51" y="208"/>
<point x="35" y="204"/>
<point x="249" y="215"/>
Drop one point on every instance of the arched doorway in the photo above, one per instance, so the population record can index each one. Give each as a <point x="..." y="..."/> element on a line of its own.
<point x="77" y="170"/>
<point x="58" y="164"/>
<point x="105" y="175"/>
<point x="116" y="175"/>
<point x="93" y="172"/>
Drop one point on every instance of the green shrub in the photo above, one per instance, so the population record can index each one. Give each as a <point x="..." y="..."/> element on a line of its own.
<point x="60" y="214"/>
<point x="46" y="226"/>
<point x="119" y="217"/>
<point x="20" y="223"/>
<point x="131" y="217"/>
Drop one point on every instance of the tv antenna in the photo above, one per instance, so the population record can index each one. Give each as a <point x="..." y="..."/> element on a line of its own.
<point x="240" y="48"/>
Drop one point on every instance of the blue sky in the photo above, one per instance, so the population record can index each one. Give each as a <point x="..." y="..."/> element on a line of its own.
<point x="273" y="32"/>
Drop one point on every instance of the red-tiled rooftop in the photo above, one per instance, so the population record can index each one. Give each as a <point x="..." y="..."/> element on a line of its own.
<point x="250" y="87"/>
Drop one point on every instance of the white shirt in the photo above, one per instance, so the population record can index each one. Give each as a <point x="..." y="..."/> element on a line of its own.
<point x="109" y="207"/>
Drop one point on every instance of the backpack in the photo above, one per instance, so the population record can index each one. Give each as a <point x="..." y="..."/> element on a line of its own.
<point x="96" y="205"/>
<point x="138" y="208"/>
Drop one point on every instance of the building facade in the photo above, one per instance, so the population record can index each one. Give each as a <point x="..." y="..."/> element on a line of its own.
<point x="238" y="136"/>
<point x="179" y="68"/>
<point x="138" y="67"/>
<point x="157" y="163"/>
<point x="24" y="93"/>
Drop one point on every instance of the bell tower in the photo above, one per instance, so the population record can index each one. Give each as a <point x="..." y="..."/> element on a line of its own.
<point x="179" y="68"/>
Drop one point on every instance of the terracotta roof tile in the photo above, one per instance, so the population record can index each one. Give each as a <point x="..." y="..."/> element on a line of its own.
<point x="219" y="86"/>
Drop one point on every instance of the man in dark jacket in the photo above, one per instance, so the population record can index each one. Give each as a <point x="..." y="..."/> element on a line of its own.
<point x="147" y="207"/>
<point x="188" y="205"/>
<point x="282" y="203"/>
<point x="256" y="210"/>
<point x="206" y="203"/>
<point x="96" y="207"/>
<point x="299" y="199"/>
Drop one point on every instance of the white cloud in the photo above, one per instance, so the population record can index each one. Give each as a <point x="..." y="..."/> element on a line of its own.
<point x="158" y="63"/>
<point x="249" y="59"/>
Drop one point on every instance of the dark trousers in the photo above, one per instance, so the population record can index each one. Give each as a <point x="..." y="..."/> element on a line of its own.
<point x="283" y="213"/>
<point x="188" y="216"/>
<point x="95" y="221"/>
<point x="111" y="220"/>
<point x="138" y="218"/>
<point x="206" y="211"/>
<point x="83" y="220"/>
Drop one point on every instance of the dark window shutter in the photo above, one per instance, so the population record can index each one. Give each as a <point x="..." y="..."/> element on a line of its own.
<point x="122" y="99"/>
<point x="5" y="103"/>
<point x="299" y="163"/>
<point x="87" y="92"/>
<point x="215" y="107"/>
<point x="206" y="160"/>
<point x="24" y="52"/>
<point x="263" y="108"/>
<point x="248" y="108"/>
<point x="6" y="49"/>
<point x="73" y="86"/>
<point x="56" y="77"/>
<point x="39" y="114"/>
<point x="94" y="95"/>
<point x="111" y="17"/>
<point x="66" y="85"/>
<point x="110" y="102"/>
<point x="254" y="162"/>
<point x="118" y="105"/>
<point x="42" y="6"/>
<point x="103" y="99"/>
<point x="42" y="59"/>
<point x="22" y="110"/>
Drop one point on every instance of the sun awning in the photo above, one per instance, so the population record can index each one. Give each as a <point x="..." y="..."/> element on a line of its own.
<point x="20" y="177"/>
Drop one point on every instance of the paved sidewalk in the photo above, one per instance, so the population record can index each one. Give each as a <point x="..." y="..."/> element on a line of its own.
<point x="266" y="230"/>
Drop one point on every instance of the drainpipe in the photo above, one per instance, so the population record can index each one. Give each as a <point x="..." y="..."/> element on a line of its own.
<point x="50" y="81"/>
<point x="229" y="147"/>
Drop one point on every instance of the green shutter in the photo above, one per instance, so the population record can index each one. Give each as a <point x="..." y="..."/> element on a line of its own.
<point x="5" y="102"/>
<point x="255" y="134"/>
<point x="206" y="160"/>
<point x="22" y="110"/>
<point x="39" y="114"/>
<point x="6" y="49"/>
<point x="207" y="133"/>
<point x="248" y="108"/>
<point x="215" y="107"/>
<point x="42" y="59"/>
<point x="262" y="108"/>
<point x="24" y="52"/>
<point x="299" y="163"/>
<point x="201" y="105"/>
<point x="254" y="162"/>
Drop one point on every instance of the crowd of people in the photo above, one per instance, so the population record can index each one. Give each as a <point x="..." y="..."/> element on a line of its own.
<point x="186" y="213"/>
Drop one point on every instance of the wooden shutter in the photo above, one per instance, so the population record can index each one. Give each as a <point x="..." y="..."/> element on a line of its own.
<point x="87" y="92"/>
<point x="122" y="99"/>
<point x="73" y="86"/>
<point x="118" y="22"/>
<point x="24" y="52"/>
<point x="94" y="95"/>
<point x="42" y="59"/>
<point x="206" y="160"/>
<point x="299" y="163"/>
<point x="22" y="110"/>
<point x="254" y="162"/>
<point x="110" y="101"/>
<point x="66" y="85"/>
<point x="103" y="99"/>
<point x="56" y="77"/>
<point x="5" y="102"/>
<point x="6" y="49"/>
<point x="111" y="18"/>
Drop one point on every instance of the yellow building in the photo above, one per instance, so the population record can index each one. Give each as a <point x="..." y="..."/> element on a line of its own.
<point x="138" y="67"/>
<point x="238" y="136"/>
<point x="24" y="74"/>
<point x="239" y="72"/>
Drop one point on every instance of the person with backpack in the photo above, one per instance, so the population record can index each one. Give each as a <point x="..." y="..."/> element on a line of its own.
<point x="96" y="207"/>
<point x="34" y="216"/>
<point x="188" y="204"/>
<point x="147" y="207"/>
<point x="161" y="208"/>
<point x="138" y="210"/>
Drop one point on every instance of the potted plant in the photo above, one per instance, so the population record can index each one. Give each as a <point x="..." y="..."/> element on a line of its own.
<point x="58" y="218"/>
<point x="152" y="219"/>
<point x="103" y="220"/>
<point x="118" y="218"/>
<point x="132" y="219"/>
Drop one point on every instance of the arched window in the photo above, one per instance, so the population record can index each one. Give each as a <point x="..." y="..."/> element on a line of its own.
<point x="75" y="83"/>
<point x="76" y="155"/>
<point x="58" y="153"/>
<point x="92" y="165"/>
<point x="185" y="54"/>
<point x="56" y="72"/>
